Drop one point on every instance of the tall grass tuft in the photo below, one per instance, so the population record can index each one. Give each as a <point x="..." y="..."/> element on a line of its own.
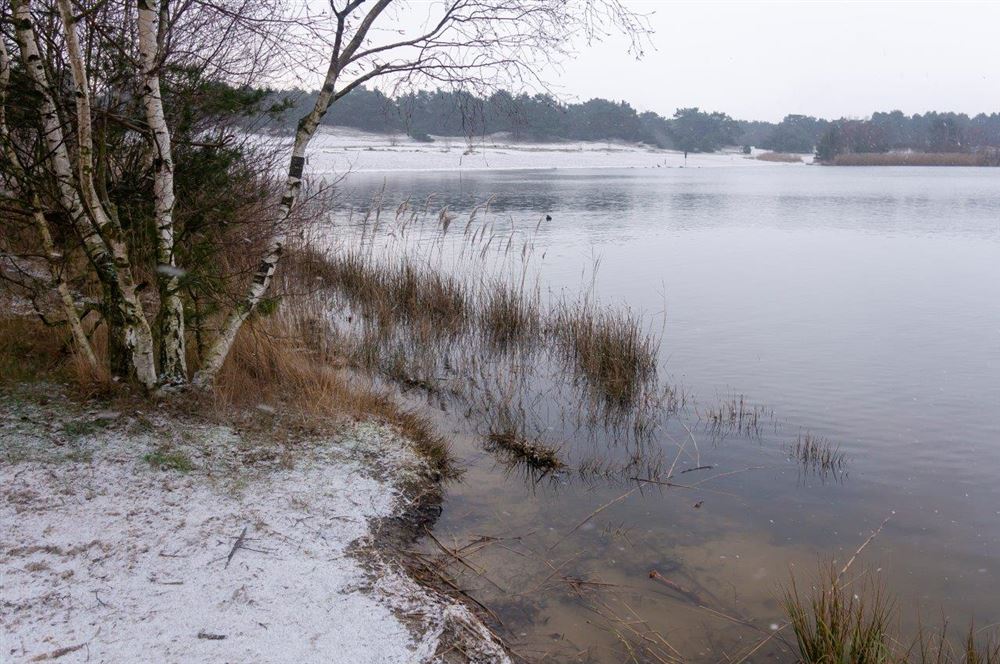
<point x="842" y="623"/>
<point x="508" y="317"/>
<point x="817" y="453"/>
<point x="609" y="348"/>
<point x="855" y="622"/>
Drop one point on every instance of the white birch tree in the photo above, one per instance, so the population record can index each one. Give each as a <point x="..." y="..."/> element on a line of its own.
<point x="41" y="225"/>
<point x="471" y="43"/>
<point x="101" y="236"/>
<point x="173" y="364"/>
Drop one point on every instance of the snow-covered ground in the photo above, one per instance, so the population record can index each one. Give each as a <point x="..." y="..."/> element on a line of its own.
<point x="342" y="150"/>
<point x="113" y="550"/>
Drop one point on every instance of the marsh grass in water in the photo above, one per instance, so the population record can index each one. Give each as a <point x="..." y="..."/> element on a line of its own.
<point x="842" y="619"/>
<point x="457" y="315"/>
<point x="609" y="349"/>
<point x="737" y="415"/>
<point x="817" y="454"/>
<point x="508" y="316"/>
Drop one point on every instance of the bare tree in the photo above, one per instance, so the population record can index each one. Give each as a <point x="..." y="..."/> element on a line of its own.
<point x="22" y="179"/>
<point x="173" y="364"/>
<point x="100" y="234"/>
<point x="472" y="43"/>
<point x="110" y="91"/>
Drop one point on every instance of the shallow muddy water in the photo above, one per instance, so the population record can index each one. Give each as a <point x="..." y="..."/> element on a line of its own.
<point x="860" y="306"/>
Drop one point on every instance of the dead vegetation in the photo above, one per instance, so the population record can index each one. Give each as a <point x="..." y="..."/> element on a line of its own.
<point x="817" y="454"/>
<point x="737" y="415"/>
<point x="508" y="439"/>
<point x="779" y="157"/>
<point x="984" y="158"/>
<point x="854" y="620"/>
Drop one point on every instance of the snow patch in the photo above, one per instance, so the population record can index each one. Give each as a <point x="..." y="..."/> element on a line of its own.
<point x="104" y="557"/>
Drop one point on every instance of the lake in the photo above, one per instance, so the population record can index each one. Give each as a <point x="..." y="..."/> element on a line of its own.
<point x="858" y="306"/>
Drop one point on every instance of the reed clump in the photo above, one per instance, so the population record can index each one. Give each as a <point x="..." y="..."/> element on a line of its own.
<point x="508" y="317"/>
<point x="397" y="292"/>
<point x="842" y="623"/>
<point x="780" y="157"/>
<point x="984" y="158"/>
<point x="608" y="348"/>
<point x="854" y="620"/>
<point x="817" y="453"/>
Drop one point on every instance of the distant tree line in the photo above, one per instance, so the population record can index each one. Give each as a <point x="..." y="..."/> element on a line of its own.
<point x="537" y="117"/>
<point x="541" y="117"/>
<point x="930" y="132"/>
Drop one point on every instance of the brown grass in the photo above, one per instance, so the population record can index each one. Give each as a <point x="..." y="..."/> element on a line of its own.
<point x="31" y="351"/>
<point x="508" y="317"/>
<point x="817" y="453"/>
<point x="780" y="157"/>
<point x="282" y="364"/>
<point x="843" y="620"/>
<point x="609" y="348"/>
<point x="512" y="443"/>
<point x="918" y="159"/>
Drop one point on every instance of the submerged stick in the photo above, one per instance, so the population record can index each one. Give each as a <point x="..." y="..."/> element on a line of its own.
<point x="595" y="513"/>
<point x="866" y="543"/>
<point x="676" y="587"/>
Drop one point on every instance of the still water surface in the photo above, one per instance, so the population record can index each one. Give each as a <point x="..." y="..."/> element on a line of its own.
<point x="860" y="305"/>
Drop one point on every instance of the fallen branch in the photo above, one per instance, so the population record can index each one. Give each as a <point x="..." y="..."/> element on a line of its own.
<point x="58" y="652"/>
<point x="676" y="587"/>
<point x="237" y="545"/>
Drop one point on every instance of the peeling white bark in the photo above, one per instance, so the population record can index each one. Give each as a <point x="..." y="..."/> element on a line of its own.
<point x="101" y="237"/>
<point x="41" y="225"/>
<point x="173" y="364"/>
<point x="219" y="349"/>
<point x="59" y="283"/>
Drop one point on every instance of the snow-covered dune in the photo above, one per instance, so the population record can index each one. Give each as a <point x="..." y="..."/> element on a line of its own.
<point x="343" y="150"/>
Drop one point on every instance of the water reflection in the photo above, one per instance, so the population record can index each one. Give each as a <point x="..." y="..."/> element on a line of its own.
<point x="856" y="304"/>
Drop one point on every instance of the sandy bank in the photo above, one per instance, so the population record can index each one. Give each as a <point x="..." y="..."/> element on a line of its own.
<point x="339" y="151"/>
<point x="138" y="536"/>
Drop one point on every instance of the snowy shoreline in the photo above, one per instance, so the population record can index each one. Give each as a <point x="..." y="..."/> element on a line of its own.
<point x="131" y="535"/>
<point x="339" y="151"/>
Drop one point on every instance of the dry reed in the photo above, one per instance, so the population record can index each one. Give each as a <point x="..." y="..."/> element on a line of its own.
<point x="779" y="157"/>
<point x="608" y="348"/>
<point x="855" y="621"/>
<point x="817" y="453"/>
<point x="988" y="158"/>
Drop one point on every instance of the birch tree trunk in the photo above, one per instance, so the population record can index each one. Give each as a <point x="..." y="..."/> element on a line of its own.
<point x="101" y="238"/>
<point x="173" y="364"/>
<point x="41" y="225"/>
<point x="69" y="305"/>
<point x="304" y="133"/>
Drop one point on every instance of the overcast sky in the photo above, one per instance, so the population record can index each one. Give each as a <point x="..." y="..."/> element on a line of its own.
<point x="758" y="60"/>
